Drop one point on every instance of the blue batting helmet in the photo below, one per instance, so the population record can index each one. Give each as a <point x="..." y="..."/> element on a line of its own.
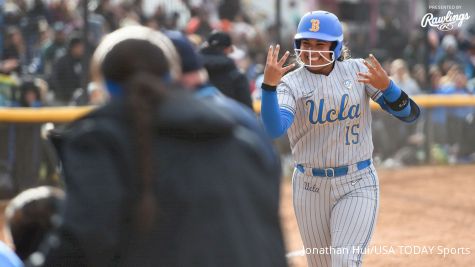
<point x="320" y="25"/>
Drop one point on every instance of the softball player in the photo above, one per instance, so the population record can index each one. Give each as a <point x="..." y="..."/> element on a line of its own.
<point x="324" y="107"/>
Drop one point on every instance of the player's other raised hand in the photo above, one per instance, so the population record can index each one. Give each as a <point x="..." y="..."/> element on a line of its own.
<point x="376" y="75"/>
<point x="275" y="67"/>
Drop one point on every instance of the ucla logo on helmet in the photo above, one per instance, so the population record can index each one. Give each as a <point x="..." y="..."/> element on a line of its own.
<point x="315" y="25"/>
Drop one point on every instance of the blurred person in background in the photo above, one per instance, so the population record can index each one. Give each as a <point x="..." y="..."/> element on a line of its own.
<point x="410" y="138"/>
<point x="35" y="16"/>
<point x="400" y="75"/>
<point x="451" y="54"/>
<point x="67" y="71"/>
<point x="30" y="216"/>
<point x="395" y="146"/>
<point x="435" y="75"/>
<point x="106" y="9"/>
<point x="14" y="49"/>
<point x="438" y="114"/>
<point x="140" y="191"/>
<point x="447" y="81"/>
<point x="54" y="48"/>
<point x="414" y="52"/>
<point x="195" y="78"/>
<point x="433" y="46"/>
<point x="456" y="122"/>
<point x="61" y="10"/>
<point x="128" y="15"/>
<point x="222" y="70"/>
<point x="419" y="75"/>
<point x="8" y="65"/>
<point x="29" y="95"/>
<point x="199" y="22"/>
<point x="96" y="95"/>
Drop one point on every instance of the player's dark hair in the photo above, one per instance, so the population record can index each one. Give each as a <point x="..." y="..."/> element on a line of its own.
<point x="30" y="217"/>
<point x="140" y="67"/>
<point x="345" y="52"/>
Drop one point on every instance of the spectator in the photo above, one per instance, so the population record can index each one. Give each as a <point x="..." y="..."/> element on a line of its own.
<point x="29" y="94"/>
<point x="400" y="75"/>
<point x="140" y="190"/>
<point x="223" y="71"/>
<point x="199" y="22"/>
<point x="61" y="10"/>
<point x="8" y="65"/>
<point x="105" y="9"/>
<point x="96" y="95"/>
<point x="30" y="216"/>
<point x="31" y="23"/>
<point x="434" y="46"/>
<point x="419" y="74"/>
<point x="434" y="77"/>
<point x="67" y="72"/>
<point x="452" y="54"/>
<point x="195" y="78"/>
<point x="448" y="80"/>
<point x="54" y="49"/>
<point x="14" y="49"/>
<point x="453" y="124"/>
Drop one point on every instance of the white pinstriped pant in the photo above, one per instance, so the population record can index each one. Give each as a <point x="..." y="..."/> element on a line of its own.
<point x="336" y="215"/>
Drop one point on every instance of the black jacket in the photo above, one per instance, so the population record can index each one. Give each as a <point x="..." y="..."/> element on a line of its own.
<point x="224" y="74"/>
<point x="66" y="77"/>
<point x="217" y="191"/>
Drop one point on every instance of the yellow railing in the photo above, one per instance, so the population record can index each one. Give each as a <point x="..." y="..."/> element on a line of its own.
<point x="66" y="114"/>
<point x="46" y="114"/>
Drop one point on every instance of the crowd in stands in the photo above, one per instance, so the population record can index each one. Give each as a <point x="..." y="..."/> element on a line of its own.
<point x="44" y="39"/>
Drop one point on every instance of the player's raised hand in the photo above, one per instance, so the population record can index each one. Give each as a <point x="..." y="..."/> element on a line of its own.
<point x="275" y="67"/>
<point x="376" y="75"/>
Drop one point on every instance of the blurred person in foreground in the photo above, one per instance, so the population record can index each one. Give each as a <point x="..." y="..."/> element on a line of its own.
<point x="30" y="216"/>
<point x="223" y="72"/>
<point x="158" y="177"/>
<point x="8" y="258"/>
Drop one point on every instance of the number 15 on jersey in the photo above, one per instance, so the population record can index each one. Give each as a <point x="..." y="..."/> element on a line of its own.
<point x="351" y="134"/>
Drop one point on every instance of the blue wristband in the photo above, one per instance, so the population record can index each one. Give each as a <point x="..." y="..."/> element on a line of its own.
<point x="392" y="93"/>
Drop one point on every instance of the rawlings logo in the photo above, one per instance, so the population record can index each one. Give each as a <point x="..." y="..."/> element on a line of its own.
<point x="444" y="23"/>
<point x="315" y="25"/>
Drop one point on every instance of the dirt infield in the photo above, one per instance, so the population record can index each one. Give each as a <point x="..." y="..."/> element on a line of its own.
<point x="421" y="208"/>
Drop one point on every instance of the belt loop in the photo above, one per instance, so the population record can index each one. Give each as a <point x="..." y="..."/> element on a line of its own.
<point x="300" y="168"/>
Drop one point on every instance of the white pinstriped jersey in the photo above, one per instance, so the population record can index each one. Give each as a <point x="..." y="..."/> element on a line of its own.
<point x="332" y="118"/>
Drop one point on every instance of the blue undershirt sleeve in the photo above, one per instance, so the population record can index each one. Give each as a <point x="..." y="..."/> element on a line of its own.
<point x="276" y="120"/>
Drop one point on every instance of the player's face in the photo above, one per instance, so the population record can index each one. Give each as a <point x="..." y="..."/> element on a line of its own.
<point x="315" y="58"/>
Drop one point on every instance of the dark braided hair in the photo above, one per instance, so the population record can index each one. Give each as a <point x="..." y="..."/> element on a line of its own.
<point x="140" y="65"/>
